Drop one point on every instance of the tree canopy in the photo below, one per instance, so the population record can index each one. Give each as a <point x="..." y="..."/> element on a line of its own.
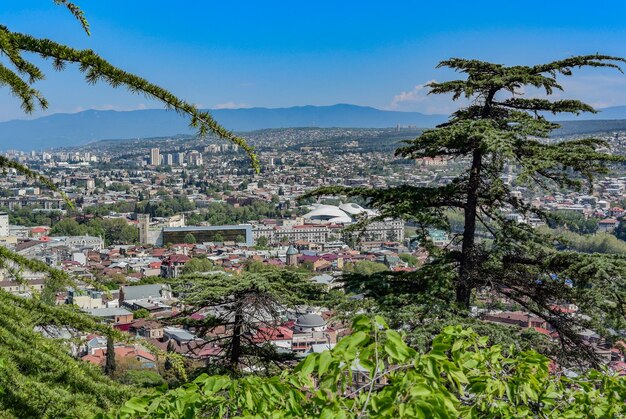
<point x="373" y="373"/>
<point x="502" y="131"/>
<point x="235" y="308"/>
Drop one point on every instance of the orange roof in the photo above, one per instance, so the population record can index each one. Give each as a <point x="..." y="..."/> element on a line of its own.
<point x="99" y="355"/>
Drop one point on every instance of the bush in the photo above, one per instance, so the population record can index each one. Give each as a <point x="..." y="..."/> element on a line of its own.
<point x="373" y="373"/>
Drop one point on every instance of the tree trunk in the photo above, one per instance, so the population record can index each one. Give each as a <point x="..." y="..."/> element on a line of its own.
<point x="235" y="350"/>
<point x="466" y="281"/>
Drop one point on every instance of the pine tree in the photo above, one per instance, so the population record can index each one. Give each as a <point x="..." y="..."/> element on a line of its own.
<point x="109" y="365"/>
<point x="501" y="130"/>
<point x="241" y="305"/>
<point x="37" y="376"/>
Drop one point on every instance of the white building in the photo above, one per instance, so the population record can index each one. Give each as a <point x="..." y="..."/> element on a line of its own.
<point x="155" y="156"/>
<point x="4" y="224"/>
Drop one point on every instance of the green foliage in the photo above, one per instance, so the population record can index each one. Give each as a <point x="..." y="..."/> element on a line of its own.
<point x="142" y="313"/>
<point x="189" y="238"/>
<point x="598" y="243"/>
<point x="573" y="221"/>
<point x="166" y="206"/>
<point x="373" y="373"/>
<point x="29" y="216"/>
<point x="620" y="230"/>
<point x="262" y="243"/>
<point x="142" y="378"/>
<point x="410" y="259"/>
<point x="365" y="267"/>
<point x="502" y="130"/>
<point x="38" y="377"/>
<point x="113" y="230"/>
<point x="198" y="265"/>
<point x="242" y="304"/>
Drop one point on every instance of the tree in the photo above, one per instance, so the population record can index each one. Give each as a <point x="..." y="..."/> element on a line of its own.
<point x="37" y="376"/>
<point x="142" y="313"/>
<point x="365" y="267"/>
<point x="499" y="130"/>
<point x="69" y="227"/>
<point x="574" y="221"/>
<point x="20" y="75"/>
<point x="410" y="259"/>
<point x="189" y="238"/>
<point x="461" y="376"/>
<point x="109" y="364"/>
<point x="245" y="304"/>
<point x="620" y="230"/>
<point x="198" y="265"/>
<point x="262" y="242"/>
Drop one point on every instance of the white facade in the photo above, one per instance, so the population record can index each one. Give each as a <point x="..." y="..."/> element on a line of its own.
<point x="155" y="157"/>
<point x="4" y="224"/>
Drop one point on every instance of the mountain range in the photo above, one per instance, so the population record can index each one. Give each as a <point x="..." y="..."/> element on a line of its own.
<point x="63" y="129"/>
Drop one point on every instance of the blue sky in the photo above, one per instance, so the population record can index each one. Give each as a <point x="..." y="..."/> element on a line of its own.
<point x="286" y="53"/>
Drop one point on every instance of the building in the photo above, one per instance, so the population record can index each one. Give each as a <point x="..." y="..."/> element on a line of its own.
<point x="143" y="225"/>
<point x="173" y="266"/>
<point x="151" y="232"/>
<point x="4" y="224"/>
<point x="241" y="233"/>
<point x="112" y="315"/>
<point x="309" y="330"/>
<point x="151" y="292"/>
<point x="169" y="160"/>
<point x="292" y="256"/>
<point x="155" y="157"/>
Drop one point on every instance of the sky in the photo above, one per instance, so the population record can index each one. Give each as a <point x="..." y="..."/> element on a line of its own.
<point x="227" y="54"/>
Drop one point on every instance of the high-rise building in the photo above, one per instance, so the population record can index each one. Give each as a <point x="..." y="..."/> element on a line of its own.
<point x="155" y="156"/>
<point x="180" y="158"/>
<point x="169" y="160"/>
<point x="4" y="224"/>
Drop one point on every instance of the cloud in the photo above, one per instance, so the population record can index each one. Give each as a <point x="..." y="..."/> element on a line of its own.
<point x="230" y="105"/>
<point x="418" y="99"/>
<point x="418" y="94"/>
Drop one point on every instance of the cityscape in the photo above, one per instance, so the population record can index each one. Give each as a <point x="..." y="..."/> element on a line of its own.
<point x="398" y="260"/>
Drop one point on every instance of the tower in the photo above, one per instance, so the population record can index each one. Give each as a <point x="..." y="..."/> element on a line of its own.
<point x="292" y="256"/>
<point x="155" y="156"/>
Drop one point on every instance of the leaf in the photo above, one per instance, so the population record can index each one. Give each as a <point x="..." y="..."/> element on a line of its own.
<point x="324" y="362"/>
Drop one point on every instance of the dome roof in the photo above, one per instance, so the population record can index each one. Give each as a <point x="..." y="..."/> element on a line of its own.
<point x="328" y="213"/>
<point x="310" y="320"/>
<point x="351" y="208"/>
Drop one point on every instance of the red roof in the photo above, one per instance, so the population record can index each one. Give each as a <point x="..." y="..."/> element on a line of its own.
<point x="179" y="259"/>
<point x="608" y="221"/>
<point x="542" y="331"/>
<point x="265" y="334"/>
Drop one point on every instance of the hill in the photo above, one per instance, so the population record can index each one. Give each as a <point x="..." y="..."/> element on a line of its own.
<point x="60" y="130"/>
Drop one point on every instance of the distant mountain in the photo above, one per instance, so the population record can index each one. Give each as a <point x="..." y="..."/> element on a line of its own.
<point x="61" y="130"/>
<point x="604" y="114"/>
